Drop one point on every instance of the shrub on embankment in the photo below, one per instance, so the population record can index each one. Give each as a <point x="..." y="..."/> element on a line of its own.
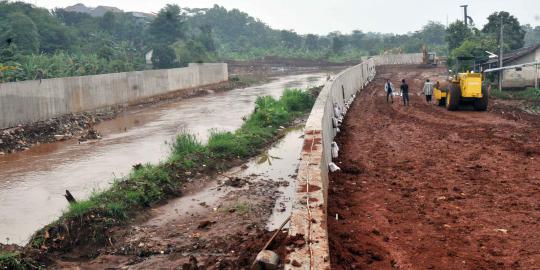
<point x="87" y="222"/>
<point x="529" y="94"/>
<point x="16" y="261"/>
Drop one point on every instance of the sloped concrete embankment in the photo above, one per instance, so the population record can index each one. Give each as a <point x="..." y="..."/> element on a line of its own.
<point x="309" y="209"/>
<point x="31" y="101"/>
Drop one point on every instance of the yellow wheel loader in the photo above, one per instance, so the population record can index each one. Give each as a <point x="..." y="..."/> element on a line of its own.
<point x="463" y="88"/>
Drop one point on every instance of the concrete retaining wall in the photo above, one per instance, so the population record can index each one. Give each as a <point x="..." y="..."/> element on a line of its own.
<point x="30" y="101"/>
<point x="309" y="208"/>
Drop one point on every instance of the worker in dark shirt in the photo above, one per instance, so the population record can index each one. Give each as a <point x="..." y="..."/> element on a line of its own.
<point x="405" y="92"/>
<point x="389" y="88"/>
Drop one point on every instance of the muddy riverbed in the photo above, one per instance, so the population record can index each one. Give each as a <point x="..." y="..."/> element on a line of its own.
<point x="32" y="182"/>
<point x="219" y="222"/>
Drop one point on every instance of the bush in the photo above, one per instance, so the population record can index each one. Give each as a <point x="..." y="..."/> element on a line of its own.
<point x="186" y="151"/>
<point x="268" y="112"/>
<point x="227" y="144"/>
<point x="296" y="100"/>
<point x="14" y="261"/>
<point x="531" y="94"/>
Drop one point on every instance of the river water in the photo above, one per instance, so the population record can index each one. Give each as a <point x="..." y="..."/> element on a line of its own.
<point x="32" y="183"/>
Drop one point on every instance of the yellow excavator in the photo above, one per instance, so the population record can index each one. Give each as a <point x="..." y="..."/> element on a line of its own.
<point x="429" y="59"/>
<point x="462" y="88"/>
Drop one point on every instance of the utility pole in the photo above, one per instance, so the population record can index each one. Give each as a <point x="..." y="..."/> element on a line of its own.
<point x="465" y="14"/>
<point x="466" y="18"/>
<point x="501" y="54"/>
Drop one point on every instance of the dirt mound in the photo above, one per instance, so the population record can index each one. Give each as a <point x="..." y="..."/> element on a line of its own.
<point x="61" y="128"/>
<point x="236" y="182"/>
<point x="437" y="189"/>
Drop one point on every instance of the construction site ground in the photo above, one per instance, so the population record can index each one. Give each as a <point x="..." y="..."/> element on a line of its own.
<point x="425" y="188"/>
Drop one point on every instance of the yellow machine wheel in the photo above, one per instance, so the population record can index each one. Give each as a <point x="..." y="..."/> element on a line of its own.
<point x="452" y="98"/>
<point x="442" y="102"/>
<point x="481" y="104"/>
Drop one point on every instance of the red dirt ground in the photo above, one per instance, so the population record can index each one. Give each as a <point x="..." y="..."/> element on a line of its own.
<point x="425" y="188"/>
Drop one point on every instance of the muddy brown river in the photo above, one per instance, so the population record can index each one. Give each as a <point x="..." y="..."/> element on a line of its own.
<point x="32" y="183"/>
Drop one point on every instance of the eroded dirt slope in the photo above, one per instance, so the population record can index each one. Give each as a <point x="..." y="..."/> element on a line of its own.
<point x="424" y="188"/>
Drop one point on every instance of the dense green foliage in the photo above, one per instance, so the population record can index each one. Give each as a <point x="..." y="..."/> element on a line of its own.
<point x="239" y="36"/>
<point x="470" y="42"/>
<point x="38" y="43"/>
<point x="45" y="44"/>
<point x="514" y="35"/>
<point x="457" y="33"/>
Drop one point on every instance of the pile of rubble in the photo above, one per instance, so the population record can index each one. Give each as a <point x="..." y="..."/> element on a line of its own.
<point x="22" y="137"/>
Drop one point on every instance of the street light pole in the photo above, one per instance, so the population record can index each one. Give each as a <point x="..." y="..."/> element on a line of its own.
<point x="501" y="55"/>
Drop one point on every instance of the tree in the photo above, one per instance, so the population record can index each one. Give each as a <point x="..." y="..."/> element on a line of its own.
<point x="108" y="22"/>
<point x="514" y="35"/>
<point x="357" y="39"/>
<point x="206" y="39"/>
<point x="433" y="33"/>
<point x="22" y="32"/>
<point x="290" y="39"/>
<point x="476" y="47"/>
<point x="168" y="26"/>
<point x="338" y="42"/>
<point x="473" y="48"/>
<point x="192" y="51"/>
<point x="532" y="35"/>
<point x="311" y="42"/>
<point x="456" y="33"/>
<point x="163" y="57"/>
<point x="9" y="53"/>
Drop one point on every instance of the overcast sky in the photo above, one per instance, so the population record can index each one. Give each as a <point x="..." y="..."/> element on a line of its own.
<point x="323" y="16"/>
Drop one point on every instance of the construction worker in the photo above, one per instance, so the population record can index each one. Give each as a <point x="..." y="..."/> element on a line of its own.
<point x="428" y="90"/>
<point x="389" y="88"/>
<point x="405" y="92"/>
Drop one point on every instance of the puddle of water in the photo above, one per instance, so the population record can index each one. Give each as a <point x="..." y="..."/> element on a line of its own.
<point x="187" y="205"/>
<point x="32" y="183"/>
<point x="278" y="164"/>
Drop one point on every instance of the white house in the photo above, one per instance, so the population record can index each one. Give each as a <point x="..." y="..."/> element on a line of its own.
<point x="518" y="77"/>
<point x="148" y="57"/>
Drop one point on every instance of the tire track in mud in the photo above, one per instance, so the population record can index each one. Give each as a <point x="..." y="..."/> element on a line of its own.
<point x="424" y="188"/>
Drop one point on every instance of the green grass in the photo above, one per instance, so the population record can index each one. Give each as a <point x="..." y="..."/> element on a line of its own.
<point x="242" y="208"/>
<point x="80" y="208"/>
<point x="228" y="144"/>
<point x="149" y="184"/>
<point x="529" y="94"/>
<point x="15" y="261"/>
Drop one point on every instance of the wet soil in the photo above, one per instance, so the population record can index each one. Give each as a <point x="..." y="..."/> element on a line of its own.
<point x="425" y="188"/>
<point x="276" y="65"/>
<point x="219" y="222"/>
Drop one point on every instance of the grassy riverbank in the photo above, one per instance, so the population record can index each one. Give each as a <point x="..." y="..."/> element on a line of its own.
<point x="87" y="222"/>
